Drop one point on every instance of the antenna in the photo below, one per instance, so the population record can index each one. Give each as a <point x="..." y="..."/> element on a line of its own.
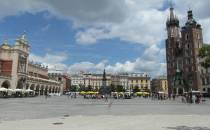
<point x="190" y="7"/>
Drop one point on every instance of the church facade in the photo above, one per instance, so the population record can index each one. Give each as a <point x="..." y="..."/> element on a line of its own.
<point x="184" y="71"/>
<point x="16" y="72"/>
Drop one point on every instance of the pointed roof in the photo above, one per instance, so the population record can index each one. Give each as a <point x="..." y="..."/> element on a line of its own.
<point x="5" y="45"/>
<point x="191" y="22"/>
<point x="172" y="20"/>
<point x="22" y="39"/>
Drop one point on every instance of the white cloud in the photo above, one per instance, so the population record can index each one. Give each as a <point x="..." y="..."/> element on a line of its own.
<point x="152" y="65"/>
<point x="55" y="62"/>
<point x="135" y="21"/>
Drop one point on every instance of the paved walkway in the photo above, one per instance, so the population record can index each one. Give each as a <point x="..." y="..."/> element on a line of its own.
<point x="144" y="122"/>
<point x="61" y="113"/>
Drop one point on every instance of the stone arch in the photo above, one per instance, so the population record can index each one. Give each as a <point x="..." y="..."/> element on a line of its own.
<point x="53" y="89"/>
<point x="27" y="86"/>
<point x="50" y="89"/>
<point x="32" y="87"/>
<point x="6" y="84"/>
<point x="180" y="91"/>
<point x="42" y="90"/>
<point x="46" y="90"/>
<point x="37" y="90"/>
<point x="21" y="82"/>
<point x="59" y="89"/>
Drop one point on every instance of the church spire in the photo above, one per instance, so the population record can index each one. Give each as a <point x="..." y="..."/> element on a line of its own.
<point x="172" y="20"/>
<point x="172" y="16"/>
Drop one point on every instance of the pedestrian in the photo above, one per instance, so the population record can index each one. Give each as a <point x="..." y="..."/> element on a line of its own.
<point x="174" y="97"/>
<point x="193" y="99"/>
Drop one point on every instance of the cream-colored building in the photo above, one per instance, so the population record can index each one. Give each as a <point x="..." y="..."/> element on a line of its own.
<point x="128" y="80"/>
<point x="90" y="79"/>
<point x="16" y="72"/>
<point x="95" y="80"/>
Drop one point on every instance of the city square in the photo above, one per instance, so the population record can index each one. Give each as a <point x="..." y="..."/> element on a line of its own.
<point x="138" y="113"/>
<point x="105" y="65"/>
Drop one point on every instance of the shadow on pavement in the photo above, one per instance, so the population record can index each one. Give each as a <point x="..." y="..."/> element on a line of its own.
<point x="188" y="128"/>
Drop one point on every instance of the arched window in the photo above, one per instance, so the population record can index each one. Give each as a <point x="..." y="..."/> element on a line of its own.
<point x="5" y="84"/>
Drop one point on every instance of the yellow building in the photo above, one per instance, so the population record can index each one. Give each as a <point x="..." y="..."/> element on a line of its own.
<point x="160" y="84"/>
<point x="140" y="80"/>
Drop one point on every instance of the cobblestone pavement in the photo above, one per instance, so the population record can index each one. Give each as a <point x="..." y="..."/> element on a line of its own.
<point x="115" y="113"/>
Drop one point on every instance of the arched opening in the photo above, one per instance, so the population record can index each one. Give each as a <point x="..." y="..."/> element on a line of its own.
<point x="53" y="90"/>
<point x="27" y="86"/>
<point x="42" y="90"/>
<point x="56" y="90"/>
<point x="37" y="91"/>
<point x="180" y="91"/>
<point x="32" y="87"/>
<point x="46" y="90"/>
<point x="50" y="90"/>
<point x="21" y="83"/>
<point x="59" y="90"/>
<point x="5" y="84"/>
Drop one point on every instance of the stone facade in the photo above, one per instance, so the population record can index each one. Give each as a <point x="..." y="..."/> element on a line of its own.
<point x="127" y="80"/>
<point x="16" y="72"/>
<point x="182" y="47"/>
<point x="64" y="79"/>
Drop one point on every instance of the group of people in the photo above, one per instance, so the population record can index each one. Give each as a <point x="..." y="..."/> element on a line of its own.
<point x="195" y="98"/>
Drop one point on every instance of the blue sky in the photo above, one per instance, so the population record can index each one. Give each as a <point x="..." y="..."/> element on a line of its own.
<point x="51" y="35"/>
<point x="121" y="36"/>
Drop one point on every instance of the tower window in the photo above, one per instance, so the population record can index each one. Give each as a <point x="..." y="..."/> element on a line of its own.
<point x="198" y="36"/>
<point x="186" y="37"/>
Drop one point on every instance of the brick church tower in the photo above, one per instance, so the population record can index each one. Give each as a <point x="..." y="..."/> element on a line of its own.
<point x="183" y="68"/>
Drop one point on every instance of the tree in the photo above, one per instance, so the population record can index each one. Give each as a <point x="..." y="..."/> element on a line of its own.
<point x="113" y="88"/>
<point x="81" y="88"/>
<point x="120" y="88"/>
<point x="73" y="88"/>
<point x="136" y="89"/>
<point x="204" y="53"/>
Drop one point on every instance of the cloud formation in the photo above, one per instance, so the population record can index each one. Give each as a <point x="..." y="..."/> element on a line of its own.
<point x="133" y="21"/>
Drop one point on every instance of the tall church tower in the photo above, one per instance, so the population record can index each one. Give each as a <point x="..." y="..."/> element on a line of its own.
<point x="173" y="52"/>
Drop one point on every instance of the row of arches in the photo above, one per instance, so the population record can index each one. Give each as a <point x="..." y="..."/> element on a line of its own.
<point x="43" y="89"/>
<point x="40" y="89"/>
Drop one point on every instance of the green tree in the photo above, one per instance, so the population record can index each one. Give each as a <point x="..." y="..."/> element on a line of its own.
<point x="204" y="53"/>
<point x="73" y="88"/>
<point x="113" y="88"/>
<point x="81" y="88"/>
<point x="136" y="89"/>
<point x="120" y="88"/>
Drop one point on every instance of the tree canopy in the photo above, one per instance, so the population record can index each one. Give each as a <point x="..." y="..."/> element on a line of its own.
<point x="204" y="53"/>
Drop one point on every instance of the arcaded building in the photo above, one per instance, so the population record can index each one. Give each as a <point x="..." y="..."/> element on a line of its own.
<point x="182" y="49"/>
<point x="16" y="72"/>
